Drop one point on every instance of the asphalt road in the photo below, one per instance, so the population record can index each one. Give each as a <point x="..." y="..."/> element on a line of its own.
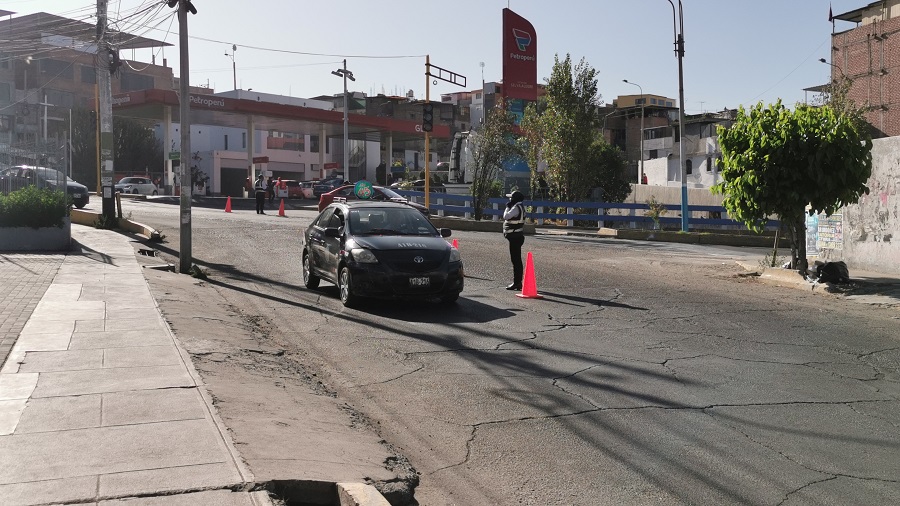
<point x="649" y="374"/>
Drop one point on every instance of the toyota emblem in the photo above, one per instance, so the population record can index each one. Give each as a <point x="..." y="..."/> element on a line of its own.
<point x="418" y="260"/>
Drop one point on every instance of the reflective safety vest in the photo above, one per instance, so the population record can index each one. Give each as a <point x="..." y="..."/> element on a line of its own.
<point x="517" y="224"/>
<point x="260" y="186"/>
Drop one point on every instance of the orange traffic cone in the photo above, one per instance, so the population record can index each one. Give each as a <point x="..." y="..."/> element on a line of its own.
<point x="281" y="208"/>
<point x="228" y="205"/>
<point x="529" y="286"/>
<point x="455" y="244"/>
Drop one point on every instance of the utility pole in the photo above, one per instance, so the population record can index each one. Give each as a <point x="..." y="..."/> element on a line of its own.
<point x="346" y="74"/>
<point x="104" y="114"/>
<point x="679" y="53"/>
<point x="427" y="131"/>
<point x="184" y="257"/>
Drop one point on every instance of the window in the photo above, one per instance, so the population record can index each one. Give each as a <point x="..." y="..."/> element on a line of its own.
<point x="285" y="141"/>
<point x="4" y="60"/>
<point x="708" y="164"/>
<point x="653" y="101"/>
<point x="313" y="143"/>
<point x="478" y="96"/>
<point x="57" y="69"/>
<point x="226" y="142"/>
<point x="4" y="93"/>
<point x="88" y="75"/>
<point x="243" y="140"/>
<point x="688" y="167"/>
<point x="133" y="82"/>
<point x="654" y="154"/>
<point x="668" y="104"/>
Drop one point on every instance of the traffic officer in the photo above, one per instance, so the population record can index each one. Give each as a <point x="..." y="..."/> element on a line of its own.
<point x="514" y="232"/>
<point x="260" y="191"/>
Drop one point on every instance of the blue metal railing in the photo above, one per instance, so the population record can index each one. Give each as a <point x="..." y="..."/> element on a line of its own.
<point x="445" y="204"/>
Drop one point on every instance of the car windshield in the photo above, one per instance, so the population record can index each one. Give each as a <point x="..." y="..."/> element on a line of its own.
<point x="389" y="221"/>
<point x="51" y="174"/>
<point x="391" y="194"/>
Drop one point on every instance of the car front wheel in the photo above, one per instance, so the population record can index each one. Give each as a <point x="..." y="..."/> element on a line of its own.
<point x="310" y="280"/>
<point x="345" y="284"/>
<point x="155" y="193"/>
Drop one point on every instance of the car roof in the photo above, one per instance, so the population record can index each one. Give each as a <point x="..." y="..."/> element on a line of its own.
<point x="355" y="204"/>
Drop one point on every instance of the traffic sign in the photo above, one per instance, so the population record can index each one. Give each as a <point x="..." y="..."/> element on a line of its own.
<point x="174" y="155"/>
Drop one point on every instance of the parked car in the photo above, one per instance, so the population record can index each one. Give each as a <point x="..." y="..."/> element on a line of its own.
<point x="137" y="186"/>
<point x="294" y="190"/>
<point x="380" y="194"/>
<point x="15" y="178"/>
<point x="326" y="185"/>
<point x="307" y="187"/>
<point x="380" y="249"/>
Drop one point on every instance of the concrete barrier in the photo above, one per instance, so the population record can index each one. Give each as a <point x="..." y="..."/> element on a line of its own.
<point x="89" y="219"/>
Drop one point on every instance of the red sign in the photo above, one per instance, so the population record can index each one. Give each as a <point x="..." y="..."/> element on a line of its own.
<point x="331" y="165"/>
<point x="519" y="57"/>
<point x="260" y="159"/>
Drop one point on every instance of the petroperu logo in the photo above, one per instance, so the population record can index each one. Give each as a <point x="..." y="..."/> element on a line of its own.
<point x="208" y="102"/>
<point x="523" y="38"/>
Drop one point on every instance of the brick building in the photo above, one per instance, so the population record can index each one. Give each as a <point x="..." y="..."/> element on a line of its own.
<point x="869" y="55"/>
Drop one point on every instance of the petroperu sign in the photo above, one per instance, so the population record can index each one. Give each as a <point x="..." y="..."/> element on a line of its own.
<point x="121" y="100"/>
<point x="208" y="102"/>
<point x="519" y="57"/>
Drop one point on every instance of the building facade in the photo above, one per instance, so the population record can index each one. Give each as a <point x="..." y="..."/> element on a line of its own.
<point x="869" y="55"/>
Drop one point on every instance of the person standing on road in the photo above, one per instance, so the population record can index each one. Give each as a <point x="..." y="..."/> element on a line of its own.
<point x="259" y="190"/>
<point x="514" y="232"/>
<point x="270" y="190"/>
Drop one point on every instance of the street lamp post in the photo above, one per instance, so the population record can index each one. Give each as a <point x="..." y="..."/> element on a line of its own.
<point x="679" y="53"/>
<point x="643" y="100"/>
<point x="826" y="62"/>
<point x="233" y="64"/>
<point x="346" y="74"/>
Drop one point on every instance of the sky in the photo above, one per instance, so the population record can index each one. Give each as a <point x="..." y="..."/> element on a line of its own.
<point x="737" y="52"/>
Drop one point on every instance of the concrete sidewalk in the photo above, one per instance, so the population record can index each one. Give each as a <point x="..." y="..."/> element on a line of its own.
<point x="99" y="402"/>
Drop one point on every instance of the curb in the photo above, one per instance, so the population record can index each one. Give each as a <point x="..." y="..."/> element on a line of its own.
<point x="89" y="219"/>
<point x="360" y="494"/>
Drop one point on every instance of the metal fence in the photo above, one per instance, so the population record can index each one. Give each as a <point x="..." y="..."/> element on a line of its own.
<point x="599" y="214"/>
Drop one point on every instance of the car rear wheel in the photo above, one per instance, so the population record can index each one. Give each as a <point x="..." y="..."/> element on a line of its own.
<point x="310" y="280"/>
<point x="345" y="284"/>
<point x="135" y="192"/>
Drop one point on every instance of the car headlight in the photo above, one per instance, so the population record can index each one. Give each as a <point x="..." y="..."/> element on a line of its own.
<point x="363" y="256"/>
<point x="454" y="255"/>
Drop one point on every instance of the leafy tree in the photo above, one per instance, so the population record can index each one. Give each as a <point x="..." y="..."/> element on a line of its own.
<point x="135" y="147"/>
<point x="561" y="129"/>
<point x="778" y="161"/>
<point x="607" y="166"/>
<point x="491" y="147"/>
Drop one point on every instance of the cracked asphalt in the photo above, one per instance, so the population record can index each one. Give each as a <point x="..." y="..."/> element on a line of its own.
<point x="649" y="373"/>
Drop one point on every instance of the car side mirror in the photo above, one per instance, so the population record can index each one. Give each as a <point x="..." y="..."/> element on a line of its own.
<point x="332" y="232"/>
<point x="445" y="232"/>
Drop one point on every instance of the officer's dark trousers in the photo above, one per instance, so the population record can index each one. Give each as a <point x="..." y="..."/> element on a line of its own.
<point x="260" y="202"/>
<point x="515" y="255"/>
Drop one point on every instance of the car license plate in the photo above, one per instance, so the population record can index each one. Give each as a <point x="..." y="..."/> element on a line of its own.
<point x="424" y="281"/>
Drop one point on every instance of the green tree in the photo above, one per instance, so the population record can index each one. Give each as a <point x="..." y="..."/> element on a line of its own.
<point x="778" y="161"/>
<point x="561" y="129"/>
<point x="135" y="147"/>
<point x="491" y="147"/>
<point x="607" y="166"/>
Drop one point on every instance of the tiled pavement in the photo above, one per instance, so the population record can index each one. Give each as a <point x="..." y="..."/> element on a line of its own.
<point x="23" y="280"/>
<point x="98" y="401"/>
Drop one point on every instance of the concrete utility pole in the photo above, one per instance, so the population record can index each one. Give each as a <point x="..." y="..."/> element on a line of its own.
<point x="679" y="53"/>
<point x="643" y="100"/>
<point x="184" y="256"/>
<point x="346" y="74"/>
<point x="104" y="114"/>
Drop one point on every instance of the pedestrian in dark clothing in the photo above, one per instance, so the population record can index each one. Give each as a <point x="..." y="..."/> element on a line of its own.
<point x="270" y="189"/>
<point x="259" y="189"/>
<point x="514" y="232"/>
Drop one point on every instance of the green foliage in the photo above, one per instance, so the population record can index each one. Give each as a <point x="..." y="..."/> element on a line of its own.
<point x="34" y="207"/>
<point x="606" y="170"/>
<point x="777" y="161"/>
<point x="106" y="223"/>
<point x="492" y="146"/>
<point x="561" y="130"/>
<point x="655" y="211"/>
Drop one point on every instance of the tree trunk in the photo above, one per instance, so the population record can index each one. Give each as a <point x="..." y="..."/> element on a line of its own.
<point x="801" y="244"/>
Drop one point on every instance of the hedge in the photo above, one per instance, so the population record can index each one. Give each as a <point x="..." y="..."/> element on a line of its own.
<point x="34" y="207"/>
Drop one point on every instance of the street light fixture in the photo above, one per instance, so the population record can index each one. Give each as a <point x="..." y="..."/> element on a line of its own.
<point x="643" y="100"/>
<point x="679" y="53"/>
<point x="233" y="65"/>
<point x="346" y="74"/>
<point x="826" y="62"/>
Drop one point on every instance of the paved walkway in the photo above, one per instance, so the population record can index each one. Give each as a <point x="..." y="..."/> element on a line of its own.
<point x="97" y="399"/>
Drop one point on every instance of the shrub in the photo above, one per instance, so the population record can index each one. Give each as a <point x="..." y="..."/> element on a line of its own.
<point x="34" y="207"/>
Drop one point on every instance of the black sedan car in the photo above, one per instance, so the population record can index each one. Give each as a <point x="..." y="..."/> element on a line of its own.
<point x="380" y="249"/>
<point x="20" y="176"/>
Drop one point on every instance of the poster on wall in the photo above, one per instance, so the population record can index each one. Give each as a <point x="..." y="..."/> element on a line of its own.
<point x="812" y="234"/>
<point x="824" y="233"/>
